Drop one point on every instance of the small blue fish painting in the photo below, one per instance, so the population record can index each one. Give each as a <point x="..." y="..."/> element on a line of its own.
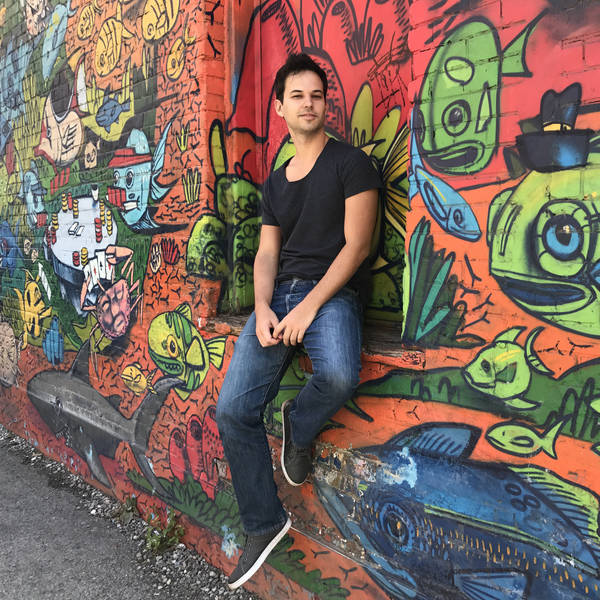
<point x="466" y="541"/>
<point x="110" y="110"/>
<point x="53" y="344"/>
<point x="449" y="209"/>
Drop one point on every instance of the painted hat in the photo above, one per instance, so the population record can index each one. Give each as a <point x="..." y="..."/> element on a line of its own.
<point x="135" y="152"/>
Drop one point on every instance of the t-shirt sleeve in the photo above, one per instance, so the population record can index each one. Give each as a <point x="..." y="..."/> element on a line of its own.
<point x="359" y="174"/>
<point x="268" y="218"/>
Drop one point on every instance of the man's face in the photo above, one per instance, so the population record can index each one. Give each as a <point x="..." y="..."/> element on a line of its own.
<point x="304" y="105"/>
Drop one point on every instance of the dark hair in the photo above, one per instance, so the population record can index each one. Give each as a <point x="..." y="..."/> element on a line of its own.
<point x="297" y="63"/>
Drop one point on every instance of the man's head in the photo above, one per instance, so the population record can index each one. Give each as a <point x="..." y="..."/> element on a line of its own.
<point x="296" y="63"/>
<point x="300" y="89"/>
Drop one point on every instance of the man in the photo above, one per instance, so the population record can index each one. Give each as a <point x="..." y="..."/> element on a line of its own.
<point x="319" y="211"/>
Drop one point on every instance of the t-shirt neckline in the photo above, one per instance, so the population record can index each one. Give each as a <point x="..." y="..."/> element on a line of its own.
<point x="286" y="163"/>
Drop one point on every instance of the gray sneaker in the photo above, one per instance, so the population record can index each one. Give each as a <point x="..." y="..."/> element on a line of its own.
<point x="255" y="552"/>
<point x="296" y="462"/>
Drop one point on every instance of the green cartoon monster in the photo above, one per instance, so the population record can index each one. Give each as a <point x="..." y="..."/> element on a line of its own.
<point x="179" y="350"/>
<point x="544" y="250"/>
<point x="458" y="107"/>
<point x="224" y="241"/>
<point x="503" y="369"/>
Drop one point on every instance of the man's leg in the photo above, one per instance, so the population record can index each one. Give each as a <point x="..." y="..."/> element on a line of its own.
<point x="333" y="342"/>
<point x="252" y="380"/>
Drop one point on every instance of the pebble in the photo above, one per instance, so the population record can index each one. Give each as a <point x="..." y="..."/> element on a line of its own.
<point x="186" y="574"/>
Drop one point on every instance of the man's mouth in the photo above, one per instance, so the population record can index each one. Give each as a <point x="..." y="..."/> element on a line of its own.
<point x="129" y="205"/>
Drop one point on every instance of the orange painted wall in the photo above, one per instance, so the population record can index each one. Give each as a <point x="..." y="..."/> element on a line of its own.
<point x="134" y="138"/>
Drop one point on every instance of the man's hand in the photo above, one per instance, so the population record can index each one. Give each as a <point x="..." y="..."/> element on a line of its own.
<point x="266" y="322"/>
<point x="292" y="327"/>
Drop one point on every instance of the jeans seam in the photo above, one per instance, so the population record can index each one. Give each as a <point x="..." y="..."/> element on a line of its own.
<point x="284" y="365"/>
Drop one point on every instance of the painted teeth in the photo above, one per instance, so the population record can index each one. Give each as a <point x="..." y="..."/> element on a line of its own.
<point x="127" y="206"/>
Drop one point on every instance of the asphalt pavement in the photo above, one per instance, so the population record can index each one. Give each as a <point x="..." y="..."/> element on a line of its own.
<point x="58" y="541"/>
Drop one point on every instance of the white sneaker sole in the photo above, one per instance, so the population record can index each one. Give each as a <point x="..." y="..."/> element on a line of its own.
<point x="295" y="484"/>
<point x="261" y="559"/>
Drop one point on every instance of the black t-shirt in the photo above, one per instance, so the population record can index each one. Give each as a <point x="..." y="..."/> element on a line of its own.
<point x="310" y="212"/>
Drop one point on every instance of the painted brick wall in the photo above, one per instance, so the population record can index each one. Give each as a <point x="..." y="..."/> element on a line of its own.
<point x="134" y="139"/>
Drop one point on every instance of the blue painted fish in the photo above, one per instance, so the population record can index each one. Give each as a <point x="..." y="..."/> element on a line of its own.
<point x="110" y="110"/>
<point x="436" y="524"/>
<point x="449" y="209"/>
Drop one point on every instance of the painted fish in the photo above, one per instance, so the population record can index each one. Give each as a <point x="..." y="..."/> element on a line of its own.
<point x="87" y="18"/>
<point x="73" y="409"/>
<point x="176" y="56"/>
<point x="108" y="46"/>
<point x="136" y="381"/>
<point x="520" y="439"/>
<point x="492" y="530"/>
<point x="180" y="351"/>
<point x="503" y="369"/>
<point x="110" y="110"/>
<point x="449" y="209"/>
<point x="544" y="246"/>
<point x="32" y="307"/>
<point x="158" y="18"/>
<point x="459" y="101"/>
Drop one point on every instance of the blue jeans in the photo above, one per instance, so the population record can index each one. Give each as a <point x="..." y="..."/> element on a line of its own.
<point x="333" y="344"/>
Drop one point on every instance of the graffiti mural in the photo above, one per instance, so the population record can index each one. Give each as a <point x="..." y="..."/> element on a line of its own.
<point x="134" y="141"/>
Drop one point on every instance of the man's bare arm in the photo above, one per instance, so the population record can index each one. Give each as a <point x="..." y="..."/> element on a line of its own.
<point x="359" y="222"/>
<point x="266" y="264"/>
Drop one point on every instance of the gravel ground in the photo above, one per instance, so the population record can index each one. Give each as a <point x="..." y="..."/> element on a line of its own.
<point x="178" y="574"/>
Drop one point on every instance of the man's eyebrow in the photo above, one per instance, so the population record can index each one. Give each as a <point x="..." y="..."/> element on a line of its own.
<point x="319" y="91"/>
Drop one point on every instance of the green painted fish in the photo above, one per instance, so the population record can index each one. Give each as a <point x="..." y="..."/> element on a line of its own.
<point x="180" y="351"/>
<point x="503" y="369"/>
<point x="519" y="439"/>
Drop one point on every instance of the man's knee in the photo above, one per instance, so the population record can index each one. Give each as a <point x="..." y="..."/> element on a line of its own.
<point x="339" y="381"/>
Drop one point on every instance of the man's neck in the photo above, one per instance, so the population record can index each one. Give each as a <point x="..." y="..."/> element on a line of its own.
<point x="308" y="148"/>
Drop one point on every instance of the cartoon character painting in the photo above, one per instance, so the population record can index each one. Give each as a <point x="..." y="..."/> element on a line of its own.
<point x="136" y="173"/>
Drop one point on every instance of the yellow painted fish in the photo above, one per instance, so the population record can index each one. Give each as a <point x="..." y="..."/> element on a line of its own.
<point x="520" y="439"/>
<point x="159" y="18"/>
<point x="176" y="56"/>
<point x="108" y="46"/>
<point x="134" y="378"/>
<point x="178" y="349"/>
<point x="32" y="307"/>
<point x="87" y="18"/>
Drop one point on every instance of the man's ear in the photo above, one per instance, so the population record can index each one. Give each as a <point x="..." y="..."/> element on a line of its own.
<point x="278" y="107"/>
